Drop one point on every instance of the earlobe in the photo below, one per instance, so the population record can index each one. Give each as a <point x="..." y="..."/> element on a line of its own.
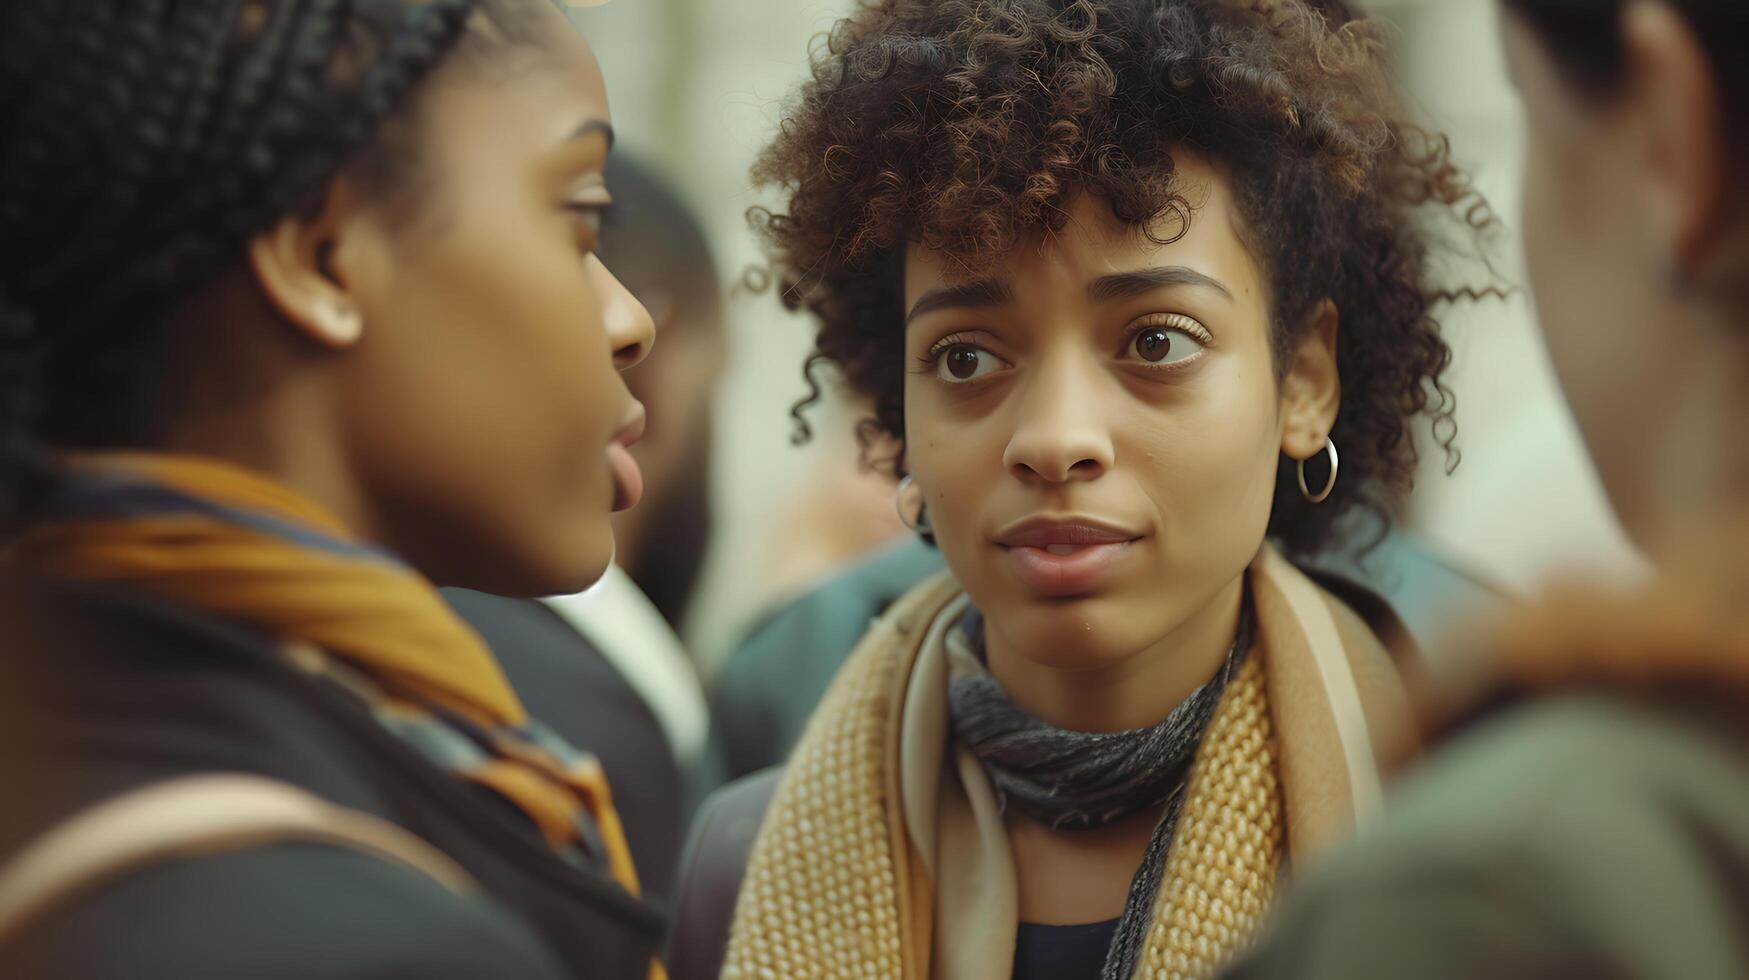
<point x="1311" y="391"/>
<point x="291" y="262"/>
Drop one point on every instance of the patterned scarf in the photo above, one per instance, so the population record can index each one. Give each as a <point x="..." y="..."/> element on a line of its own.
<point x="1069" y="780"/>
<point x="858" y="823"/>
<point x="215" y="537"/>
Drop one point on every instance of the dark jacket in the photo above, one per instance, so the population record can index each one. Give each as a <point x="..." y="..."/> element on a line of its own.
<point x="107" y="692"/>
<point x="573" y="689"/>
<point x="763" y="694"/>
<point x="1585" y="814"/>
<point x="1592" y="835"/>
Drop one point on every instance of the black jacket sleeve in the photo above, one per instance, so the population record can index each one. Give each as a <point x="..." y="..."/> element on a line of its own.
<point x="281" y="911"/>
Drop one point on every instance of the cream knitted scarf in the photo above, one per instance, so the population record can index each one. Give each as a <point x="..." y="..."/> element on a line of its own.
<point x="884" y="836"/>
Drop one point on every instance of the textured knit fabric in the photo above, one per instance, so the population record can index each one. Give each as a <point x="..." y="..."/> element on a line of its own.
<point x="1084" y="780"/>
<point x="852" y="826"/>
<point x="1079" y="780"/>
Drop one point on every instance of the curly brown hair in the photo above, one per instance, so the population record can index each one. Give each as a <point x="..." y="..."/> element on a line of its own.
<point x="966" y="125"/>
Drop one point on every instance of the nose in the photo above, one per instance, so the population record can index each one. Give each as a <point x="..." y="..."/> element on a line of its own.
<point x="1061" y="432"/>
<point x="630" y="328"/>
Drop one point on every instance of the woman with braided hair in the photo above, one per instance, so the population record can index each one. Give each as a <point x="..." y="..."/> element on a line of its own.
<point x="1121" y="279"/>
<point x="302" y="317"/>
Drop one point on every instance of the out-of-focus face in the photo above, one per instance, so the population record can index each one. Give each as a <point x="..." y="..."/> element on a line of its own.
<point x="1095" y="426"/>
<point x="1634" y="236"/>
<point x="1595" y="271"/>
<point x="486" y="412"/>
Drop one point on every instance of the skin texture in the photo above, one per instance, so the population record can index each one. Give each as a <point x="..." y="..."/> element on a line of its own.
<point x="1642" y="301"/>
<point x="446" y="381"/>
<point x="1066" y="419"/>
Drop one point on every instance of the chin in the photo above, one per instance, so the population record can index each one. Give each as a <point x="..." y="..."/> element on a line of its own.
<point x="1067" y="634"/>
<point x="581" y="570"/>
<point x="550" y="570"/>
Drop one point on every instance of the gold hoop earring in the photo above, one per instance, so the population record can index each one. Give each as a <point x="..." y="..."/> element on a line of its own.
<point x="1329" y="484"/>
<point x="919" y="524"/>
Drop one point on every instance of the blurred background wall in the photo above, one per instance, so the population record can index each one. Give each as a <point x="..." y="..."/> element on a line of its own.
<point x="697" y="86"/>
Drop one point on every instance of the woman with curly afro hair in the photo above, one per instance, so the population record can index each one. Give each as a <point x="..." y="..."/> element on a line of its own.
<point x="1139" y="290"/>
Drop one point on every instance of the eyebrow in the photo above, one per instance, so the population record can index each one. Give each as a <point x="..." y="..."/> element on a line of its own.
<point x="1120" y="285"/>
<point x="981" y="294"/>
<point x="590" y="127"/>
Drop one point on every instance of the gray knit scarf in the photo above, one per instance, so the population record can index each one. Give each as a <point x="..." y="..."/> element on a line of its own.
<point x="1082" y="780"/>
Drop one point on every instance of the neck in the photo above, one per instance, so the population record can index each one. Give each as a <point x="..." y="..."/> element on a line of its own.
<point x="257" y="395"/>
<point x="1137" y="691"/>
<point x="287" y="437"/>
<point x="628" y="535"/>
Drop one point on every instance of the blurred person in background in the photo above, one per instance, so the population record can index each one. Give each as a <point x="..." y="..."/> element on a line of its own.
<point x="1584" y="815"/>
<point x="1118" y="278"/>
<point x="656" y="246"/>
<point x="604" y="667"/>
<point x="301" y="314"/>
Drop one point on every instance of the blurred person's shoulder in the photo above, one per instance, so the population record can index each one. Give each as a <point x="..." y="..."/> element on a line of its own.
<point x="109" y="693"/>
<point x="767" y="688"/>
<point x="1576" y="770"/>
<point x="285" y="910"/>
<point x="1584" y="833"/>
<point x="109" y="690"/>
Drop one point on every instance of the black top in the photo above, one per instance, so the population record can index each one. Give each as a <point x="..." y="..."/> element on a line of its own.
<point x="1062" y="952"/>
<point x="106" y="692"/>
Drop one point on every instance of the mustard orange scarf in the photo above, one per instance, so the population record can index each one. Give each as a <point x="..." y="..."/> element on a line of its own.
<point x="219" y="538"/>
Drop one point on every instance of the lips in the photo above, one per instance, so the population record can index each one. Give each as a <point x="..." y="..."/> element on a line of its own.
<point x="628" y="479"/>
<point x="1059" y="558"/>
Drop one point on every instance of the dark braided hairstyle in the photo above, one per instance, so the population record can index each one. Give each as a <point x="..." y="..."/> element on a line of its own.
<point x="142" y="142"/>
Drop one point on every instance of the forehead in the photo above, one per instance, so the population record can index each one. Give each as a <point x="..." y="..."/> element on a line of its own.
<point x="540" y="77"/>
<point x="1204" y="235"/>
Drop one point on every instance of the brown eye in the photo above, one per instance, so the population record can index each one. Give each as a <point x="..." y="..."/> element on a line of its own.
<point x="1154" y="345"/>
<point x="1166" y="344"/>
<point x="965" y="362"/>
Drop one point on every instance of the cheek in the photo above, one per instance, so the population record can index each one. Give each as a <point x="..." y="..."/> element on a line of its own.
<point x="956" y="457"/>
<point x="935" y="453"/>
<point x="1596" y="292"/>
<point x="512" y="348"/>
<point x="1554" y="239"/>
<point x="1576" y="244"/>
<point x="493" y="397"/>
<point x="1208" y="464"/>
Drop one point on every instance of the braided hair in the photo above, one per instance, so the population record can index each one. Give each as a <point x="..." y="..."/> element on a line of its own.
<point x="142" y="142"/>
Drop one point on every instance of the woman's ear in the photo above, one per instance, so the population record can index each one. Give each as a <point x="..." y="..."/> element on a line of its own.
<point x="306" y="265"/>
<point x="1672" y="96"/>
<point x="1311" y="392"/>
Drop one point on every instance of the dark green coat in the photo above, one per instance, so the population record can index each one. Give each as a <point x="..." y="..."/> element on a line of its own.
<point x="1583" y="835"/>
